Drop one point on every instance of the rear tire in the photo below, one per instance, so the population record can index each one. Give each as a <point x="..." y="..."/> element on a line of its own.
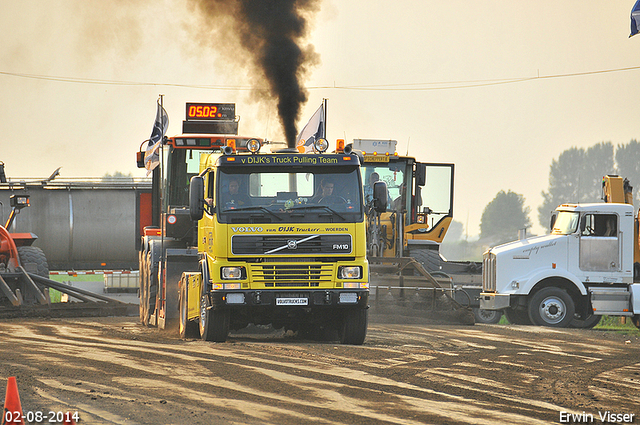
<point x="214" y="324"/>
<point x="188" y="328"/>
<point x="636" y="320"/>
<point x="552" y="307"/>
<point x="149" y="291"/>
<point x="588" y="323"/>
<point x="429" y="258"/>
<point x="517" y="317"/>
<point x="33" y="260"/>
<point x="490" y="317"/>
<point x="354" y="326"/>
<point x="35" y="257"/>
<point x="142" y="290"/>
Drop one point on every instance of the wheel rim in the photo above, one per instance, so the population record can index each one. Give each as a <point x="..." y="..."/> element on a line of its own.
<point x="552" y="310"/>
<point x="203" y="313"/>
<point x="487" y="315"/>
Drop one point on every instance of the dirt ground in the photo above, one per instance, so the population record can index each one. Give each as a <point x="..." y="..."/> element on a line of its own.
<point x="115" y="371"/>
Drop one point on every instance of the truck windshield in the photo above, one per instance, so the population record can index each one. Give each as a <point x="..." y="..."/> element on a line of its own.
<point x="566" y="223"/>
<point x="323" y="195"/>
<point x="393" y="174"/>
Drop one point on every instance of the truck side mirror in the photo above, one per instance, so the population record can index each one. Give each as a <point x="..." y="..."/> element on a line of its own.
<point x="196" y="198"/>
<point x="421" y="174"/>
<point x="380" y="196"/>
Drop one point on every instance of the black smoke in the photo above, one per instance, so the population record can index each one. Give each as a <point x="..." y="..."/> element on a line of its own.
<point x="271" y="35"/>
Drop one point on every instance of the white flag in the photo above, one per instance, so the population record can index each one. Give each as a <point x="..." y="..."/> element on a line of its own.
<point x="311" y="132"/>
<point x="151" y="157"/>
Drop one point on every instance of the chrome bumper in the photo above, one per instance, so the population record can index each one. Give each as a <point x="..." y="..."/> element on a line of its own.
<point x="492" y="301"/>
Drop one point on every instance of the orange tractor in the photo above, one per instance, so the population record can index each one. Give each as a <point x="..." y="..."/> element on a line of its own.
<point x="17" y="258"/>
<point x="25" y="283"/>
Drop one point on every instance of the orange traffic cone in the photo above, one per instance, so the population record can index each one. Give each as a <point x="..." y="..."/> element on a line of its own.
<point x="12" y="414"/>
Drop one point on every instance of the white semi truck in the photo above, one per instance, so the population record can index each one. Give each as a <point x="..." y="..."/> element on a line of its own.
<point x="582" y="270"/>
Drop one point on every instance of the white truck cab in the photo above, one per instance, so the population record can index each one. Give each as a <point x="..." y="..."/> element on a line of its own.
<point x="582" y="270"/>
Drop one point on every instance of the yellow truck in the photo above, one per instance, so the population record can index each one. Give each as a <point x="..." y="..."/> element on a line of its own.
<point x="267" y="238"/>
<point x="275" y="247"/>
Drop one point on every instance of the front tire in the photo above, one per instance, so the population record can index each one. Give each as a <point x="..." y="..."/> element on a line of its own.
<point x="214" y="324"/>
<point x="551" y="307"/>
<point x="354" y="326"/>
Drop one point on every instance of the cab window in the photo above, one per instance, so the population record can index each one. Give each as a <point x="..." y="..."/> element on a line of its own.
<point x="599" y="225"/>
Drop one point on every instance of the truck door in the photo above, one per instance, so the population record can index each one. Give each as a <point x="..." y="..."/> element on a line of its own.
<point x="599" y="243"/>
<point x="436" y="191"/>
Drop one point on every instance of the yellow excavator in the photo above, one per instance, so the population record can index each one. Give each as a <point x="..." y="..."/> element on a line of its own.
<point x="404" y="237"/>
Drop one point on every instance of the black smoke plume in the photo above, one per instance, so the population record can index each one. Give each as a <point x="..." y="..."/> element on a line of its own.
<point x="270" y="34"/>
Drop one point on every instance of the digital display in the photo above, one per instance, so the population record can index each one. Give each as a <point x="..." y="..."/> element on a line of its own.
<point x="211" y="111"/>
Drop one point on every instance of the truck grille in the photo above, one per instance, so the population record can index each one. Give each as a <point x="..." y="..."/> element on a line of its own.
<point x="489" y="272"/>
<point x="290" y="244"/>
<point x="291" y="275"/>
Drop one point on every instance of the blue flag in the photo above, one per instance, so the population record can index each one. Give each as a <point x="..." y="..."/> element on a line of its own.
<point x="151" y="156"/>
<point x="635" y="19"/>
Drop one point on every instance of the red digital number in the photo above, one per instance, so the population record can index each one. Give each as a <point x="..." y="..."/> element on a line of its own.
<point x="203" y="112"/>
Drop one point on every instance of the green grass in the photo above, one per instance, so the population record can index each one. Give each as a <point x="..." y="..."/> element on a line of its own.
<point x="614" y="323"/>
<point x="78" y="278"/>
<point x="607" y="323"/>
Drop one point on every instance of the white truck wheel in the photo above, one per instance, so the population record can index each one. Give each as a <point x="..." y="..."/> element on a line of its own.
<point x="551" y="307"/>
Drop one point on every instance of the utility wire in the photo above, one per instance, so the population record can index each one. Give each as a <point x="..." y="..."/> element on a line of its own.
<point x="425" y="86"/>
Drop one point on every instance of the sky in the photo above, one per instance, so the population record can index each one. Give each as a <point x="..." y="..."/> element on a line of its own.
<point x="499" y="88"/>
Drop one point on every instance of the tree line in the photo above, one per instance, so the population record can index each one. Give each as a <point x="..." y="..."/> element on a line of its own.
<point x="574" y="177"/>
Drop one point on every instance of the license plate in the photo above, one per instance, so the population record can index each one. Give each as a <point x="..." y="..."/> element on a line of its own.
<point x="376" y="158"/>
<point x="292" y="301"/>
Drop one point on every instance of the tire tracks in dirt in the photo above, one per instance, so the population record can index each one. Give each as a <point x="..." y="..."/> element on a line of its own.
<point x="116" y="371"/>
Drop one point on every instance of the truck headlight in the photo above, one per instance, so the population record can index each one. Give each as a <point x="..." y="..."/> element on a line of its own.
<point x="321" y="145"/>
<point x="253" y="145"/>
<point x="349" y="272"/>
<point x="231" y="272"/>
